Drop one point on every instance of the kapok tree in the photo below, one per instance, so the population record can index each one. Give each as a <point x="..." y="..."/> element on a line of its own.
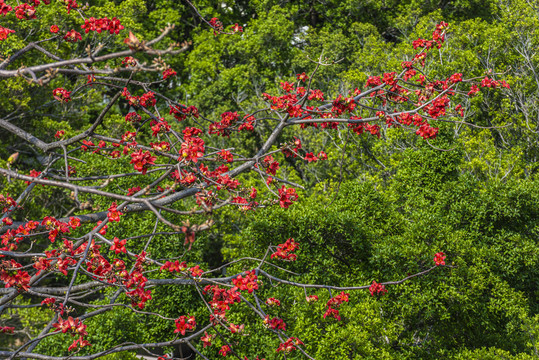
<point x="170" y="148"/>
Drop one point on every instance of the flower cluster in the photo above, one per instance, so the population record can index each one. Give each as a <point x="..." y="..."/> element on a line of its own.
<point x="439" y="258"/>
<point x="7" y="329"/>
<point x="285" y="249"/>
<point x="4" y="8"/>
<point x="180" y="112"/>
<point x="142" y="160"/>
<point x="334" y="303"/>
<point x="145" y="100"/>
<point x="92" y="24"/>
<point x="287" y="196"/>
<point x="75" y="327"/>
<point x="273" y="302"/>
<point x="270" y="165"/>
<point x="25" y="11"/>
<point x="184" y="323"/>
<point x="221" y="301"/>
<point x="289" y="345"/>
<point x="193" y="147"/>
<point x="275" y="323"/>
<point x="248" y="282"/>
<point x="4" y="33"/>
<point x="222" y="128"/>
<point x="61" y="95"/>
<point x="217" y="26"/>
<point x="72" y="36"/>
<point x="55" y="227"/>
<point x="377" y="289"/>
<point x="168" y="73"/>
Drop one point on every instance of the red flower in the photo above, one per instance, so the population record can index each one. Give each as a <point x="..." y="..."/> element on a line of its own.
<point x="206" y="339"/>
<point x="92" y="24"/>
<point x="303" y="77"/>
<point x="4" y="32"/>
<point x="273" y="302"/>
<point x="72" y="36"/>
<point x="61" y="95"/>
<point x="25" y="11"/>
<point x="74" y="222"/>
<point x="119" y="246"/>
<point x="474" y="89"/>
<point x="287" y="196"/>
<point x="439" y="258"/>
<point x="455" y="78"/>
<point x="216" y="25"/>
<point x="114" y="214"/>
<point x="286" y="86"/>
<point x="6" y="329"/>
<point x="275" y="323"/>
<point x="168" y="73"/>
<point x="71" y="4"/>
<point x="225" y="349"/>
<point x="311" y="298"/>
<point x="248" y="282"/>
<point x="141" y="160"/>
<point x="316" y="95"/>
<point x="284" y="250"/>
<point x="196" y="271"/>
<point x="183" y="324"/>
<point x="427" y="132"/>
<point x="310" y="157"/>
<point x="236" y="28"/>
<point x="72" y="326"/>
<point x="288" y="345"/>
<point x="378" y="289"/>
<point x="192" y="148"/>
<point x="4" y="8"/>
<point x="271" y="165"/>
<point x="54" y="29"/>
<point x="129" y="61"/>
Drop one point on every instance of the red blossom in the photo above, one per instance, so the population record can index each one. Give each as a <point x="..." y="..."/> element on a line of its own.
<point x="287" y="196"/>
<point x="168" y="73"/>
<point x="225" y="349"/>
<point x="25" y="11"/>
<point x="206" y="339"/>
<point x="377" y="289"/>
<point x="118" y="246"/>
<point x="439" y="259"/>
<point x="142" y="160"/>
<point x="184" y="323"/>
<point x="72" y="36"/>
<point x="4" y="8"/>
<point x="4" y="33"/>
<point x="289" y="345"/>
<point x="236" y="28"/>
<point x="273" y="302"/>
<point x="284" y="250"/>
<point x="61" y="95"/>
<point x="248" y="282"/>
<point x="275" y="323"/>
<point x="7" y="329"/>
<point x="216" y="25"/>
<point x="112" y="26"/>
